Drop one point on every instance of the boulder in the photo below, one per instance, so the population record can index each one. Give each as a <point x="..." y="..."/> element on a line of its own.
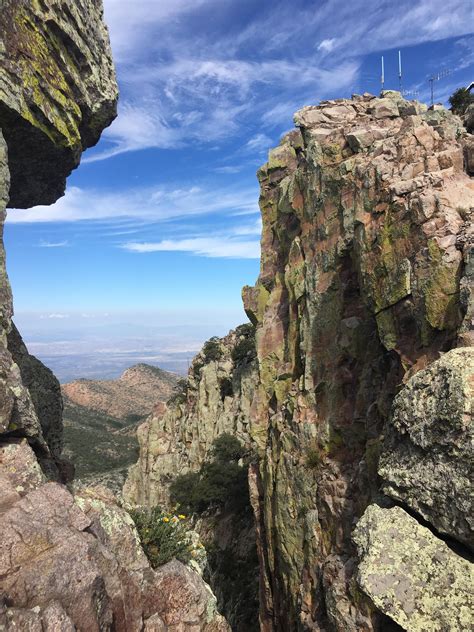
<point x="426" y="460"/>
<point x="411" y="575"/>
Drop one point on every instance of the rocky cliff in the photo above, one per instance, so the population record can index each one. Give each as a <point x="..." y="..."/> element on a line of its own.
<point x="358" y="405"/>
<point x="67" y="561"/>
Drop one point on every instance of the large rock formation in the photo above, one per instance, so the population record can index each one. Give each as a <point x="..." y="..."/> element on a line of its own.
<point x="79" y="558"/>
<point x="57" y="91"/>
<point x="67" y="562"/>
<point x="426" y="460"/>
<point x="366" y="280"/>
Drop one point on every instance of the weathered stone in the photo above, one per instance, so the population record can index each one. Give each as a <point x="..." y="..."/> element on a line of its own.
<point x="383" y="108"/>
<point x="412" y="576"/>
<point x="57" y="92"/>
<point x="426" y="461"/>
<point x="184" y="602"/>
<point x="90" y="565"/>
<point x="44" y="390"/>
<point x="217" y="399"/>
<point x="19" y="472"/>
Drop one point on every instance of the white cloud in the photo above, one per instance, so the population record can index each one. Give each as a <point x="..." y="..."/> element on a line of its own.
<point x="53" y="244"/>
<point x="182" y="83"/>
<point x="327" y="45"/>
<point x="259" y="143"/>
<point x="54" y="316"/>
<point x="152" y="204"/>
<point x="229" y="169"/>
<point x="203" y="246"/>
<point x="134" y="27"/>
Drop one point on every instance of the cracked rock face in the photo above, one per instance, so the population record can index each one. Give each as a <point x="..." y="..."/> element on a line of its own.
<point x="411" y="575"/>
<point x="366" y="277"/>
<point x="57" y="91"/>
<point x="426" y="461"/>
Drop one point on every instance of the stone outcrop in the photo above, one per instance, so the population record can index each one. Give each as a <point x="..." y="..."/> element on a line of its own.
<point x="79" y="559"/>
<point x="360" y="287"/>
<point x="57" y="91"/>
<point x="216" y="398"/>
<point x="363" y="313"/>
<point x="411" y="575"/>
<point x="426" y="459"/>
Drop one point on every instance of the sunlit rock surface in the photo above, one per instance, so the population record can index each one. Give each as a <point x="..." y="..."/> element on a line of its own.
<point x="426" y="460"/>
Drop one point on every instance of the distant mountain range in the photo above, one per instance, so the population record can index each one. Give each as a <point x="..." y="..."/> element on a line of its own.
<point x="101" y="416"/>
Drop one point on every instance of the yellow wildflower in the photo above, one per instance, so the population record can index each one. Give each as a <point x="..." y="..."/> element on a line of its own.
<point x="166" y="519"/>
<point x="182" y="517"/>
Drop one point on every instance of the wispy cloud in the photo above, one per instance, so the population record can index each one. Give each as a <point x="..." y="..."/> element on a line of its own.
<point x="151" y="204"/>
<point x="202" y="246"/>
<point x="53" y="244"/>
<point x="327" y="45"/>
<point x="54" y="316"/>
<point x="201" y="85"/>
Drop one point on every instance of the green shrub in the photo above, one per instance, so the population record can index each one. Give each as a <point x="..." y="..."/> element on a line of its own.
<point x="219" y="482"/>
<point x="184" y="491"/>
<point x="461" y="100"/>
<point x="197" y="366"/>
<point x="212" y="349"/>
<point x="180" y="392"/>
<point x="313" y="458"/>
<point x="226" y="388"/>
<point x="244" y="350"/>
<point x="227" y="448"/>
<point x="133" y="418"/>
<point x="163" y="536"/>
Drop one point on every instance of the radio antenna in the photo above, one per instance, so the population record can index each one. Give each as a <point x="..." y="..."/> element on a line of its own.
<point x="400" y="70"/>
<point x="437" y="77"/>
<point x="383" y="75"/>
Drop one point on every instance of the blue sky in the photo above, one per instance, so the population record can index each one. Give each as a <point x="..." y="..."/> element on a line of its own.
<point x="161" y="219"/>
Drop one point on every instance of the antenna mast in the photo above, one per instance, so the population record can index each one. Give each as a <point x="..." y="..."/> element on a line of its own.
<point x="400" y="70"/>
<point x="437" y="77"/>
<point x="383" y="75"/>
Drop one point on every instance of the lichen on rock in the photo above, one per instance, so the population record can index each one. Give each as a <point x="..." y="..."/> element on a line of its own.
<point x="411" y="575"/>
<point x="426" y="459"/>
<point x="57" y="91"/>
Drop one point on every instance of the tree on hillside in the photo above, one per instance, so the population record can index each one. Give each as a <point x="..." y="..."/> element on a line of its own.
<point x="460" y="101"/>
